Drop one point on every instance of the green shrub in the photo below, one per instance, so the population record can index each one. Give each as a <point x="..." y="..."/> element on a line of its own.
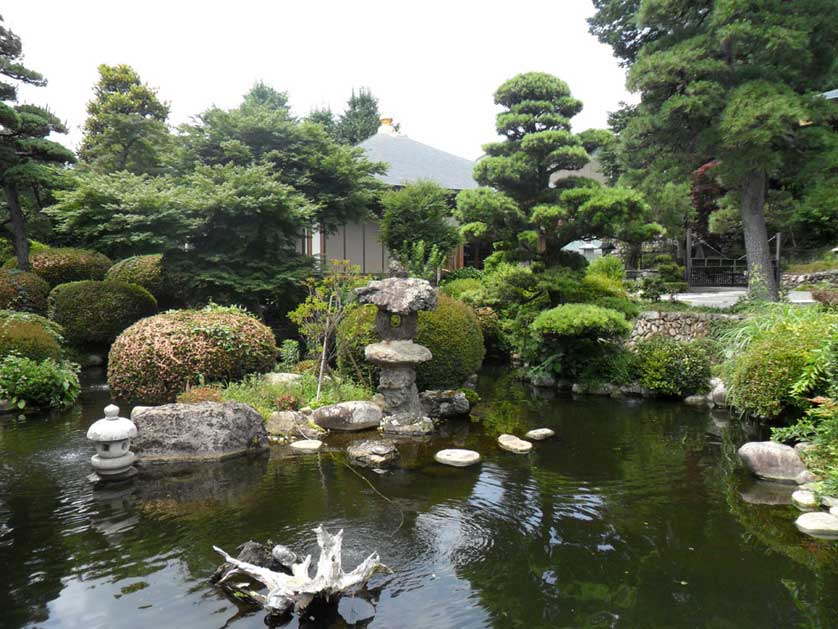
<point x="626" y="306"/>
<point x="159" y="357"/>
<point x="471" y="395"/>
<point x="94" y="313"/>
<point x="30" y="383"/>
<point x="451" y="331"/>
<point x="608" y="266"/>
<point x="145" y="271"/>
<point x="652" y="287"/>
<point x="7" y="250"/>
<point x="581" y="320"/>
<point x="23" y="291"/>
<point x="62" y="265"/>
<point x="672" y="368"/>
<point x="456" y="288"/>
<point x="466" y="272"/>
<point x="29" y="339"/>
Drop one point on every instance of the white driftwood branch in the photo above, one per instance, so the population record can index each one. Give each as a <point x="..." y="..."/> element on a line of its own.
<point x="299" y="589"/>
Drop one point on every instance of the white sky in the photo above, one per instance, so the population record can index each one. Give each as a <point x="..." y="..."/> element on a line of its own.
<point x="434" y="65"/>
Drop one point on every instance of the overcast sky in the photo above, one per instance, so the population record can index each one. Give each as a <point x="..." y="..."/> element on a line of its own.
<point x="434" y="65"/>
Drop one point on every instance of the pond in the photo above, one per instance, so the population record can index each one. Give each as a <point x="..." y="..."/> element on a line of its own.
<point x="632" y="517"/>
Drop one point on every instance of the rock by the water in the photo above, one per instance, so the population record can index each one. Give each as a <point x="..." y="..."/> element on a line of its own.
<point x="457" y="457"/>
<point x="718" y="392"/>
<point x="801" y="447"/>
<point x="6" y="406"/>
<point x="833" y="510"/>
<point x="806" y="477"/>
<point x="818" y="524"/>
<point x="376" y="454"/>
<point x="539" y="434"/>
<point x="444" y="404"/>
<point x="542" y="379"/>
<point x="279" y="377"/>
<point x="804" y="499"/>
<point x="292" y="424"/>
<point x="307" y="445"/>
<point x="696" y="400"/>
<point x="135" y="412"/>
<point x="829" y="501"/>
<point x="207" y="430"/>
<point x="397" y="353"/>
<point x="398" y="295"/>
<point x="402" y="425"/>
<point x="471" y="382"/>
<point x="348" y="416"/>
<point x="760" y="492"/>
<point x="772" y="461"/>
<point x="514" y="444"/>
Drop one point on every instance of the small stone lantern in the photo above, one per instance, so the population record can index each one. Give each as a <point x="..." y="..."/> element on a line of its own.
<point x="113" y="459"/>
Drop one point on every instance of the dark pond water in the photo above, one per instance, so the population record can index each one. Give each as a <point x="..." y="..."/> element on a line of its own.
<point x="633" y="517"/>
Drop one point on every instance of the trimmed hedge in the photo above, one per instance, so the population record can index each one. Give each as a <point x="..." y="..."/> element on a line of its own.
<point x="673" y="368"/>
<point x="145" y="271"/>
<point x="451" y="331"/>
<point x="29" y="339"/>
<point x="159" y="357"/>
<point x="53" y="328"/>
<point x="94" y="313"/>
<point x="581" y="320"/>
<point x="20" y="290"/>
<point x="62" y="265"/>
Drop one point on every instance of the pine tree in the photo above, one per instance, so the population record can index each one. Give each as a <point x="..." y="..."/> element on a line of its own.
<point x="361" y="118"/>
<point x="27" y="157"/>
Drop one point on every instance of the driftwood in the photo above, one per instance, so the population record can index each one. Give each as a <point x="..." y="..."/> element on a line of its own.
<point x="298" y="589"/>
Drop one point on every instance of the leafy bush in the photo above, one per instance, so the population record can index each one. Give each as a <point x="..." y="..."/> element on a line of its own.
<point x="94" y="313"/>
<point x="158" y="357"/>
<point x="466" y="272"/>
<point x="471" y="395"/>
<point x="672" y="368"/>
<point x="289" y="355"/>
<point x="23" y="291"/>
<point x="456" y="288"/>
<point x="145" y="271"/>
<point x="608" y="266"/>
<point x="30" y="383"/>
<point x="54" y="329"/>
<point x="451" y="331"/>
<point x="7" y="250"/>
<point x="581" y="320"/>
<point x="29" y="339"/>
<point x="62" y="265"/>
<point x="652" y="287"/>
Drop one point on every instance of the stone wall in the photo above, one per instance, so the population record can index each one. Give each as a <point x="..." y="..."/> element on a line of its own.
<point x="682" y="326"/>
<point x="792" y="281"/>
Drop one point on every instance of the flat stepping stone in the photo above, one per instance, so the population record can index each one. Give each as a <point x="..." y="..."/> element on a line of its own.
<point x="818" y="524"/>
<point x="513" y="444"/>
<point x="805" y="500"/>
<point x="307" y="445"/>
<point x="829" y="501"/>
<point x="457" y="457"/>
<point x="540" y="433"/>
<point x="833" y="510"/>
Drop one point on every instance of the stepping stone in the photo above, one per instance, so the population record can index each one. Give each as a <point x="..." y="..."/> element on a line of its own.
<point x="805" y="500"/>
<point x="829" y="501"/>
<point x="818" y="524"/>
<point x="307" y="445"/>
<point x="513" y="444"/>
<point x="833" y="510"/>
<point x="457" y="458"/>
<point x="540" y="433"/>
<point x="372" y="453"/>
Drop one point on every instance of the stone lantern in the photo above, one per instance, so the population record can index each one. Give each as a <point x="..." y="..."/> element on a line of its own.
<point x="112" y="435"/>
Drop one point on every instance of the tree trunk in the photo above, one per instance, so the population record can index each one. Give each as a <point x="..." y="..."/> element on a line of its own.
<point x="762" y="280"/>
<point x="18" y="227"/>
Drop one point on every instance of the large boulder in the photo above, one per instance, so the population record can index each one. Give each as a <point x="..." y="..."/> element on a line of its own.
<point x="442" y="404"/>
<point x="203" y="431"/>
<point x="348" y="416"/>
<point x="376" y="454"/>
<point x="292" y="424"/>
<point x="718" y="392"/>
<point x="773" y="461"/>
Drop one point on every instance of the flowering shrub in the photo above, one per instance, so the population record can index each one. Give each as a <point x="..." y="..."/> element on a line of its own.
<point x="159" y="357"/>
<point x="23" y="291"/>
<point x="62" y="265"/>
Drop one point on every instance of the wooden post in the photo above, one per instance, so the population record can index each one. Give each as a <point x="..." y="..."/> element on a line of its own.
<point x="688" y="257"/>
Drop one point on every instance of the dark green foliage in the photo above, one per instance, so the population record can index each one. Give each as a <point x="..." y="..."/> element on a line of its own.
<point x="29" y="339"/>
<point x="20" y="290"/>
<point x="94" y="313"/>
<point x="28" y="383"/>
<point x="466" y="272"/>
<point x="672" y="368"/>
<point x="159" y="357"/>
<point x="62" y="265"/>
<point x="361" y="118"/>
<point x="451" y="332"/>
<point x="145" y="271"/>
<point x="126" y="125"/>
<point x="417" y="212"/>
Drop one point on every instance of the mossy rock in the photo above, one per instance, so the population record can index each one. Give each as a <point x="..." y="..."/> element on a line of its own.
<point x="23" y="291"/>
<point x="159" y="357"/>
<point x="94" y="313"/>
<point x="451" y="331"/>
<point x="62" y="265"/>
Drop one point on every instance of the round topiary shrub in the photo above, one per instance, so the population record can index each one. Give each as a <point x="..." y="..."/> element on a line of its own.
<point x="62" y="265"/>
<point x="23" y="291"/>
<point x="29" y="339"/>
<point x="145" y="271"/>
<point x="672" y="368"/>
<point x="94" y="313"/>
<point x="451" y="331"/>
<point x="159" y="357"/>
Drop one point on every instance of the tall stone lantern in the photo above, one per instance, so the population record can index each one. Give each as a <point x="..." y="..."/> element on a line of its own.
<point x="399" y="300"/>
<point x="112" y="435"/>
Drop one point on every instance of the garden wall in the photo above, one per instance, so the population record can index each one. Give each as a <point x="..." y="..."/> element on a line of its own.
<point x="682" y="326"/>
<point x="792" y="281"/>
